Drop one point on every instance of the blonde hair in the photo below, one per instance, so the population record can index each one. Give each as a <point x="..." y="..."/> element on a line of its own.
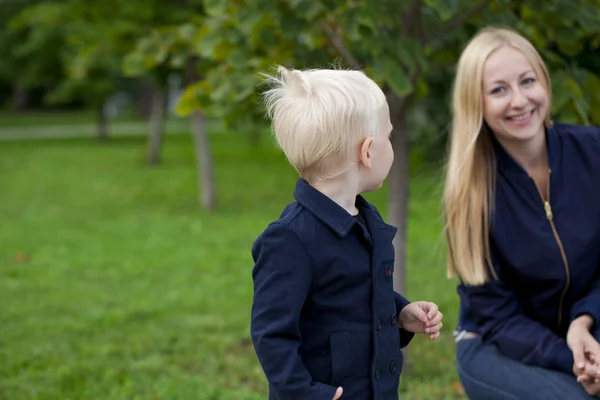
<point x="319" y="116"/>
<point x="471" y="167"/>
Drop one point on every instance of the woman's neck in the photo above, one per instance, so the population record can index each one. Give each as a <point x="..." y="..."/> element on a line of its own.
<point x="532" y="155"/>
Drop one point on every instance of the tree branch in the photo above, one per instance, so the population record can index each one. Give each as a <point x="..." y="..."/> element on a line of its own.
<point x="337" y="42"/>
<point x="459" y="19"/>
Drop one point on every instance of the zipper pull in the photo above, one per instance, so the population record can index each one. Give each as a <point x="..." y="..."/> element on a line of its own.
<point x="548" y="210"/>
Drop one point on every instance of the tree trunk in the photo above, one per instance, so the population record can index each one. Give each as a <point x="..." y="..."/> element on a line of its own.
<point x="102" y="124"/>
<point x="20" y="98"/>
<point x="157" y="125"/>
<point x="144" y="98"/>
<point x="206" y="180"/>
<point x="399" y="194"/>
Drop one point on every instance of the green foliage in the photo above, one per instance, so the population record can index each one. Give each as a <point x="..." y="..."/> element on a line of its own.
<point x="405" y="48"/>
<point x="239" y="40"/>
<point x="56" y="31"/>
<point x="92" y="41"/>
<point x="163" y="46"/>
<point x="31" y="43"/>
<point x="402" y="46"/>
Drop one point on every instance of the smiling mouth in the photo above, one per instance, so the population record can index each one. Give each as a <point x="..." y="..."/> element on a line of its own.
<point x="521" y="117"/>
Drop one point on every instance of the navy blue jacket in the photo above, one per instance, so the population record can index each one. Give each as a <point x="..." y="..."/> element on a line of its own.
<point x="547" y="257"/>
<point x="324" y="311"/>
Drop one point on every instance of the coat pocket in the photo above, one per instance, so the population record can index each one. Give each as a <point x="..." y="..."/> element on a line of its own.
<point x="350" y="356"/>
<point x="337" y="343"/>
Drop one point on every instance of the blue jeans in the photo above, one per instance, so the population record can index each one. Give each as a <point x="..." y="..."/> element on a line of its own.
<point x="486" y="374"/>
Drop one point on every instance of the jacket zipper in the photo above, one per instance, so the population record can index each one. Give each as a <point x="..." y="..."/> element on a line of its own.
<point x="550" y="217"/>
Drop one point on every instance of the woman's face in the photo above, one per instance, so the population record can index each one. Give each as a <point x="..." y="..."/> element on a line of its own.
<point x="515" y="103"/>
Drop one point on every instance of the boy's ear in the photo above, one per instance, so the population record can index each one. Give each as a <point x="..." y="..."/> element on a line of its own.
<point x="364" y="155"/>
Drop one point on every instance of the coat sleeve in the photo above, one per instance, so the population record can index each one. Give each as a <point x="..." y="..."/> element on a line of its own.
<point x="502" y="321"/>
<point x="590" y="303"/>
<point x="405" y="336"/>
<point x="282" y="277"/>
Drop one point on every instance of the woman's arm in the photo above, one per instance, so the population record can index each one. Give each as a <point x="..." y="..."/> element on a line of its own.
<point x="502" y="321"/>
<point x="590" y="303"/>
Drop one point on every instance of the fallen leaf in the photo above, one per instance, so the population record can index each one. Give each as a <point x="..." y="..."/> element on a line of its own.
<point x="245" y="343"/>
<point x="457" y="386"/>
<point x="21" y="257"/>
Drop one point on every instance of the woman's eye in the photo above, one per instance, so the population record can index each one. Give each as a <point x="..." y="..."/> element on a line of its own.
<point x="497" y="90"/>
<point x="528" y="81"/>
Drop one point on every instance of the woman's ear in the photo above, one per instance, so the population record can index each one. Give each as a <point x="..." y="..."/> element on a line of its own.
<point x="364" y="154"/>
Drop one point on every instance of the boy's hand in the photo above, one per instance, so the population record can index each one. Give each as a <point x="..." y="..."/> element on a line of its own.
<point x="338" y="393"/>
<point x="421" y="317"/>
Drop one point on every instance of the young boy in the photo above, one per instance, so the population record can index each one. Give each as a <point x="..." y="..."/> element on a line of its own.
<point x="325" y="316"/>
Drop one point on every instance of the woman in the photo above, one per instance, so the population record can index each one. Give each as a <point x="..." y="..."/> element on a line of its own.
<point x="522" y="210"/>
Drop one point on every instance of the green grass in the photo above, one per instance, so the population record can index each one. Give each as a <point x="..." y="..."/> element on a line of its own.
<point x="115" y="285"/>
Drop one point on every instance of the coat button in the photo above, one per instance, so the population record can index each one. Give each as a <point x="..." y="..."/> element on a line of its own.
<point x="393" y="319"/>
<point x="377" y="374"/>
<point x="393" y="366"/>
<point x="388" y="272"/>
<point x="379" y="324"/>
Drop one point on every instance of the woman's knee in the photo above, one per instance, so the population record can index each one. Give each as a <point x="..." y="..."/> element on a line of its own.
<point x="475" y="374"/>
<point x="485" y="373"/>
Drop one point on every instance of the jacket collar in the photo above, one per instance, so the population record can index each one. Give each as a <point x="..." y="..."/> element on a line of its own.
<point x="329" y="212"/>
<point x="507" y="163"/>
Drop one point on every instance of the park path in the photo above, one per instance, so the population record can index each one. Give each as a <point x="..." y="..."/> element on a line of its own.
<point x="82" y="130"/>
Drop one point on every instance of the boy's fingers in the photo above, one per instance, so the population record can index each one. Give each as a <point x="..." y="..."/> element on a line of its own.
<point x="418" y="313"/>
<point x="338" y="393"/>
<point x="434" y="336"/>
<point x="436" y="320"/>
<point x="435" y="328"/>
<point x="433" y="310"/>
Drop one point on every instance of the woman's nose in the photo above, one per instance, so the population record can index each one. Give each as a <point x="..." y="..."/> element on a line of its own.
<point x="518" y="100"/>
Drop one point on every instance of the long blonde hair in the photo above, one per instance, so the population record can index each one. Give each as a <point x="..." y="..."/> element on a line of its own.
<point x="471" y="167"/>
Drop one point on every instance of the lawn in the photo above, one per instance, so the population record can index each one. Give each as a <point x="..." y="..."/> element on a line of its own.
<point x="115" y="285"/>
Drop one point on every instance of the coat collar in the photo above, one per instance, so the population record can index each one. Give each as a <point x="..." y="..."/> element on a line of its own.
<point x="334" y="216"/>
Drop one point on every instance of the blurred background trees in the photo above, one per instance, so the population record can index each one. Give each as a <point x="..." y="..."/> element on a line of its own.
<point x="200" y="60"/>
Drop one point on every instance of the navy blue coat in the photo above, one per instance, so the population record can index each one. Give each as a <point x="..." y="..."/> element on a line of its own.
<point x="324" y="311"/>
<point x="547" y="257"/>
